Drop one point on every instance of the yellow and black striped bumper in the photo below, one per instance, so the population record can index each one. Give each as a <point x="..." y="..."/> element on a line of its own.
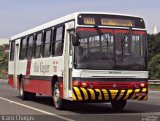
<point x="88" y="94"/>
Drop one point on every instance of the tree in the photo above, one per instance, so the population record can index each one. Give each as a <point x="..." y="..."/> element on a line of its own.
<point x="154" y="67"/>
<point x="3" y="59"/>
<point x="153" y="45"/>
<point x="154" y="55"/>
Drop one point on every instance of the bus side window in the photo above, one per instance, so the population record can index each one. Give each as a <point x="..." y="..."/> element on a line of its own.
<point x="38" y="45"/>
<point x="47" y="43"/>
<point x="59" y="40"/>
<point x="30" y="47"/>
<point x="22" y="55"/>
<point x="12" y="46"/>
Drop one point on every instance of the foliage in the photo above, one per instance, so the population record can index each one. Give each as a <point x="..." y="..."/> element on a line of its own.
<point x="154" y="67"/>
<point x="154" y="87"/>
<point x="3" y="63"/>
<point x="154" y="55"/>
<point x="153" y="45"/>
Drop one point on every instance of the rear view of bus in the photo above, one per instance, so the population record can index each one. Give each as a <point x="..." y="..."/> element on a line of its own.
<point x="82" y="57"/>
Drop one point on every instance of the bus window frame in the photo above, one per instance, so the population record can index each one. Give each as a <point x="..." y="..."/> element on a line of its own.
<point x="44" y="42"/>
<point x="22" y="48"/>
<point x="28" y="47"/>
<point x="35" y="44"/>
<point x="54" y="40"/>
<point x="12" y="50"/>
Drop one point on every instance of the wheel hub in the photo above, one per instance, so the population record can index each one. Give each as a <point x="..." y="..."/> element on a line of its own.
<point x="56" y="97"/>
<point x="21" y="90"/>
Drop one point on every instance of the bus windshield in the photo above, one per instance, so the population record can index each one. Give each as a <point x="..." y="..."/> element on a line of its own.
<point x="112" y="52"/>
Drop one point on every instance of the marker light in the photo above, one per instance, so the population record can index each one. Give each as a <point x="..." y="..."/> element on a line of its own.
<point x="91" y="85"/>
<point x="77" y="83"/>
<point x="84" y="84"/>
<point x="135" y="85"/>
<point x="142" y="84"/>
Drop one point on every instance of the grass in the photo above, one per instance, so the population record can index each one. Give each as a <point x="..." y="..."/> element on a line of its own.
<point x="3" y="70"/>
<point x="154" y="87"/>
<point x="3" y="76"/>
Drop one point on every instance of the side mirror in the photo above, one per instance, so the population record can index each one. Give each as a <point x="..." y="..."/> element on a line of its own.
<point x="75" y="39"/>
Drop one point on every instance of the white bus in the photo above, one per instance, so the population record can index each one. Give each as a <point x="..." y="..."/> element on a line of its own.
<point x="83" y="56"/>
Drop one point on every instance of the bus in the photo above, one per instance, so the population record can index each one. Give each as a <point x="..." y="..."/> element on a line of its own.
<point x="82" y="57"/>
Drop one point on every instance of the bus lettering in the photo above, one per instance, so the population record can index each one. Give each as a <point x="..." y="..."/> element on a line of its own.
<point x="44" y="68"/>
<point x="36" y="67"/>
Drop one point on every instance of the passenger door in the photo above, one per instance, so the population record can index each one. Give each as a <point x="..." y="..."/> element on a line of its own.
<point x="16" y="59"/>
<point x="67" y="73"/>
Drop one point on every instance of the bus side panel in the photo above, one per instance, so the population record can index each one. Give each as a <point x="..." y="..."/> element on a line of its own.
<point x="42" y="70"/>
<point x="61" y="89"/>
<point x="41" y="86"/>
<point x="38" y="86"/>
<point x="10" y="73"/>
<point x="10" y="81"/>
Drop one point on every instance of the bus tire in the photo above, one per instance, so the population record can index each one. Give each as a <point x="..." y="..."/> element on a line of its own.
<point x="118" y="104"/>
<point x="59" y="103"/>
<point x="23" y="94"/>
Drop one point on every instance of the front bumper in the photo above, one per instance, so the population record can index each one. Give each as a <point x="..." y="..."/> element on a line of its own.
<point x="89" y="94"/>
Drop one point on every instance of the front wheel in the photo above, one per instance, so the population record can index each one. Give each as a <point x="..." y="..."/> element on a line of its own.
<point x="118" y="104"/>
<point x="59" y="103"/>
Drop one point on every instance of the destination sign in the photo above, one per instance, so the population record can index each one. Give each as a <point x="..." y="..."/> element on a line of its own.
<point x="116" y="22"/>
<point x="89" y="20"/>
<point x="110" y="20"/>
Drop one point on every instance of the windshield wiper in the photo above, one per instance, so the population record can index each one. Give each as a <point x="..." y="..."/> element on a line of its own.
<point x="100" y="33"/>
<point x="125" y="39"/>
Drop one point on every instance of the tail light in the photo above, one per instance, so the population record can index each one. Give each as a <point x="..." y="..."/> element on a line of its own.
<point x="84" y="84"/>
<point x="77" y="83"/>
<point x="140" y="85"/>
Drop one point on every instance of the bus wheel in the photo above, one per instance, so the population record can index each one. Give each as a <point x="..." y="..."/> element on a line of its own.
<point x="118" y="104"/>
<point x="58" y="102"/>
<point x="25" y="95"/>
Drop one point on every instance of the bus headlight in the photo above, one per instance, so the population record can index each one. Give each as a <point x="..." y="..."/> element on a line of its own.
<point x="142" y="85"/>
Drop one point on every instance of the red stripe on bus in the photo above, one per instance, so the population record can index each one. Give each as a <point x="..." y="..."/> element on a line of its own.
<point x="28" y="67"/>
<point x="61" y="89"/>
<point x="10" y="82"/>
<point x="42" y="87"/>
<point x="112" y="30"/>
<point x="112" y="85"/>
<point x="38" y="86"/>
<point x="126" y="31"/>
<point x="94" y="30"/>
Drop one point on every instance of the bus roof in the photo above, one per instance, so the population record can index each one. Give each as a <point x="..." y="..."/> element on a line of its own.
<point x="61" y="20"/>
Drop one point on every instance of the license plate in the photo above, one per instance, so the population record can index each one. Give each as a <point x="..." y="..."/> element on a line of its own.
<point x="140" y="94"/>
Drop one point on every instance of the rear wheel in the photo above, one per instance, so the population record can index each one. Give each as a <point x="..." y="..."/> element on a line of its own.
<point x="59" y="103"/>
<point x="118" y="104"/>
<point x="23" y="94"/>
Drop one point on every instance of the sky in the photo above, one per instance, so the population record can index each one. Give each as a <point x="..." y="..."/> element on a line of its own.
<point x="17" y="16"/>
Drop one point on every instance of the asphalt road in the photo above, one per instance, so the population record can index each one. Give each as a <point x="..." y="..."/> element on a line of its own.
<point x="41" y="109"/>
